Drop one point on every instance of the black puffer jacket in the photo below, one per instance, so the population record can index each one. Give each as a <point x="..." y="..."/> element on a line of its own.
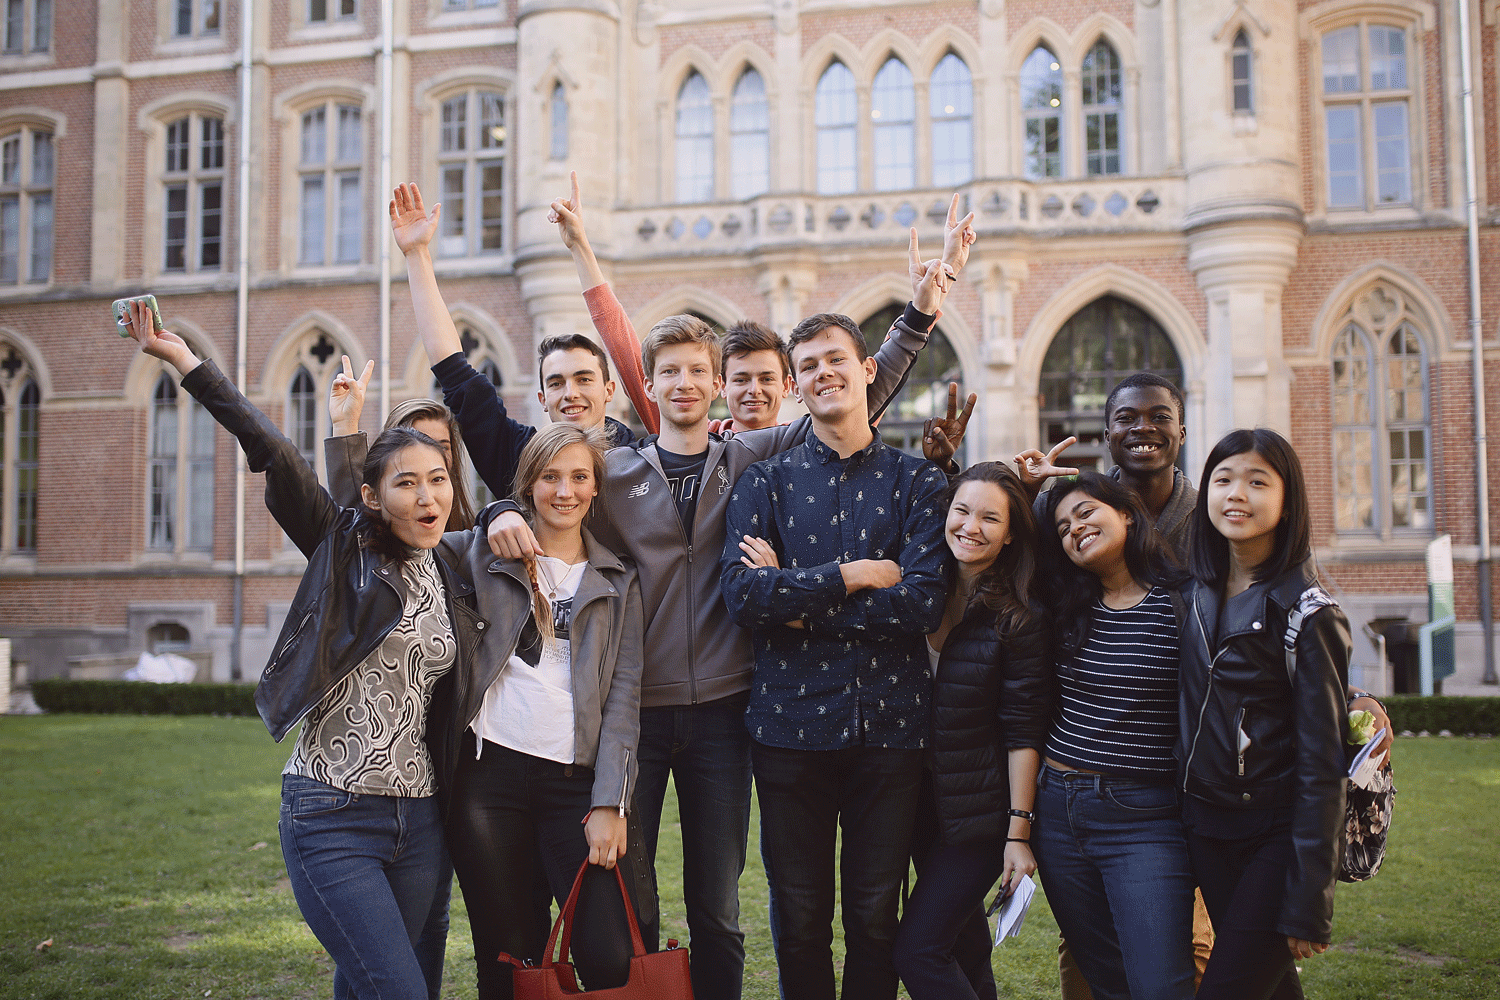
<point x="350" y="598"/>
<point x="992" y="695"/>
<point x="1293" y="748"/>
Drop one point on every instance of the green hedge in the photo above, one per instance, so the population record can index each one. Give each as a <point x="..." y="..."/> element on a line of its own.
<point x="1459" y="716"/>
<point x="142" y="698"/>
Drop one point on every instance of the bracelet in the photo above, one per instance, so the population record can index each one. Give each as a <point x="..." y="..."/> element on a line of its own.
<point x="1018" y="840"/>
<point x="1029" y="817"/>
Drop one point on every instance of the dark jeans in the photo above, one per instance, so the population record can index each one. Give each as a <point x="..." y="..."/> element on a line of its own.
<point x="1243" y="884"/>
<point x="1113" y="859"/>
<point x="513" y="814"/>
<point x="706" y="751"/>
<point x="943" y="945"/>
<point x="806" y="798"/>
<point x="365" y="870"/>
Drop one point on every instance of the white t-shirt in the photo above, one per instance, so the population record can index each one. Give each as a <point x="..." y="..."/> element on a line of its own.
<point x="529" y="708"/>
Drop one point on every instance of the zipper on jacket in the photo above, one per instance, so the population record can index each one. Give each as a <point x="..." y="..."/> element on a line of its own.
<point x="1242" y="742"/>
<point x="271" y="669"/>
<point x="625" y="784"/>
<point x="1187" y="767"/>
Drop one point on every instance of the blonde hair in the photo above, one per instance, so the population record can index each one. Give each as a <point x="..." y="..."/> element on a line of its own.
<point x="405" y="414"/>
<point x="681" y="329"/>
<point x="544" y="446"/>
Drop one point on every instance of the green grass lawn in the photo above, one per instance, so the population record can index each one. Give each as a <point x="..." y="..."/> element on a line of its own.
<point x="145" y="850"/>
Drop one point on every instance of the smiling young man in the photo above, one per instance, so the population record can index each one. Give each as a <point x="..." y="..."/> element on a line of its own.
<point x="834" y="561"/>
<point x="663" y="506"/>
<point x="757" y="376"/>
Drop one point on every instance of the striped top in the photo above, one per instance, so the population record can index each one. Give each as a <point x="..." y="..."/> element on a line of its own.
<point x="1117" y="710"/>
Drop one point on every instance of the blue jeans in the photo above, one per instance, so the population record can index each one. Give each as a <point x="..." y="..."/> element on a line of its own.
<point x="365" y="870"/>
<point x="1114" y="861"/>
<point x="706" y="751"/>
<point x="806" y="798"/>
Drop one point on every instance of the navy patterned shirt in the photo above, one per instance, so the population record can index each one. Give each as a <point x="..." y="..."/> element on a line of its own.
<point x="856" y="673"/>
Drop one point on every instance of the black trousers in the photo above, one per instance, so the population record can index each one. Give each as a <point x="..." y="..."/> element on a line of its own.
<point x="513" y="814"/>
<point x="943" y="943"/>
<point x="1243" y="883"/>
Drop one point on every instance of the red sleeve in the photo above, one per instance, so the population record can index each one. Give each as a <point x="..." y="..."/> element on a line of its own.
<point x="624" y="350"/>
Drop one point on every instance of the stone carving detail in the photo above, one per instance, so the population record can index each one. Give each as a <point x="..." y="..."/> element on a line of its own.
<point x="1378" y="309"/>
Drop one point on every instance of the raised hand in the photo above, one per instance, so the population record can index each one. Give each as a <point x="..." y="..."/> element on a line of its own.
<point x="958" y="236"/>
<point x="569" y="216"/>
<point x="410" y="223"/>
<point x="346" y="397"/>
<point x="140" y="324"/>
<point x="941" y="436"/>
<point x="930" y="280"/>
<point x="1034" y="468"/>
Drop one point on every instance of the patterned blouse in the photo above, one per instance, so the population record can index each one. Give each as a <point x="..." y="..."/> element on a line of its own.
<point x="367" y="734"/>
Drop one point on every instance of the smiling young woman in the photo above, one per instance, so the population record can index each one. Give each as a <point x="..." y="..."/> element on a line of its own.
<point x="1261" y="744"/>
<point x="1108" y="824"/>
<point x="992" y="703"/>
<point x="379" y="628"/>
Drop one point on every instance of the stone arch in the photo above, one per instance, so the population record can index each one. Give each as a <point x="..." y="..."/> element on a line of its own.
<point x="1111" y="279"/>
<point x="681" y="64"/>
<point x="825" y="51"/>
<point x="688" y="298"/>
<point x="940" y="42"/>
<point x="1418" y="301"/>
<point x="1103" y="27"/>
<point x="733" y="63"/>
<point x="1038" y="31"/>
<point x="282" y="360"/>
<point x="35" y="360"/>
<point x="140" y="377"/>
<point x="887" y="44"/>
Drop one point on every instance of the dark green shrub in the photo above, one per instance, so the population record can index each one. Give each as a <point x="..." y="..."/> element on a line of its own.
<point x="142" y="698"/>
<point x="1457" y="715"/>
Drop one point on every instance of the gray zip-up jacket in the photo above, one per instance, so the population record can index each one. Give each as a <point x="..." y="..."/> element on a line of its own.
<point x="605" y="646"/>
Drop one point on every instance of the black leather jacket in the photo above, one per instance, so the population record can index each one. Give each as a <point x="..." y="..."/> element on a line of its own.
<point x="349" y="598"/>
<point x="1253" y="738"/>
<point x="990" y="696"/>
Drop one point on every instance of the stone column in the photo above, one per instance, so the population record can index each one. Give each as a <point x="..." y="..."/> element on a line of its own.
<point x="578" y="39"/>
<point x="1242" y="268"/>
<point x="1005" y="416"/>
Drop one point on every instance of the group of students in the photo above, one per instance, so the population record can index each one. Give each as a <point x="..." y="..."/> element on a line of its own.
<point x="950" y="668"/>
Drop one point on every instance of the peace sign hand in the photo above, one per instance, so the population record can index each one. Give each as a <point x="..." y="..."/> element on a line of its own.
<point x="941" y="436"/>
<point x="346" y="398"/>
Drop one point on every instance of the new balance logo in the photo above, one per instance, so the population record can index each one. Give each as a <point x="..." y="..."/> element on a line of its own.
<point x="639" y="490"/>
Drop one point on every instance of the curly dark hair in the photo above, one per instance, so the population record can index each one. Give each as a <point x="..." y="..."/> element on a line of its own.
<point x="1072" y="591"/>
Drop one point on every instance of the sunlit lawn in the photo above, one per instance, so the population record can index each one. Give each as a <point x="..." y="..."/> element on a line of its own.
<point x="145" y="850"/>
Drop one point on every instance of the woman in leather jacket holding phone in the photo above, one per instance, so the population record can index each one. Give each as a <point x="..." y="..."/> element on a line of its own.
<point x="379" y="629"/>
<point x="1261" y="732"/>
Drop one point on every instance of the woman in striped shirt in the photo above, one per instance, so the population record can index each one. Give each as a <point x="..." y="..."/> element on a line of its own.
<point x="1108" y="834"/>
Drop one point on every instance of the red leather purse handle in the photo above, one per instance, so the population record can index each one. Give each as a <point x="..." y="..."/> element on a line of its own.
<point x="564" y="921"/>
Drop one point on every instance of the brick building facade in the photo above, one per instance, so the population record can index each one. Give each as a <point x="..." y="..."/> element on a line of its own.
<point x="1265" y="200"/>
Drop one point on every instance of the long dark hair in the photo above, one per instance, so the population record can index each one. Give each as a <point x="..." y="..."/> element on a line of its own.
<point x="1007" y="586"/>
<point x="461" y="516"/>
<point x="375" y="530"/>
<point x="1073" y="591"/>
<point x="1209" y="555"/>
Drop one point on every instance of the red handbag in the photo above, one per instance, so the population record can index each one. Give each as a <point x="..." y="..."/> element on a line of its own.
<point x="663" y="975"/>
